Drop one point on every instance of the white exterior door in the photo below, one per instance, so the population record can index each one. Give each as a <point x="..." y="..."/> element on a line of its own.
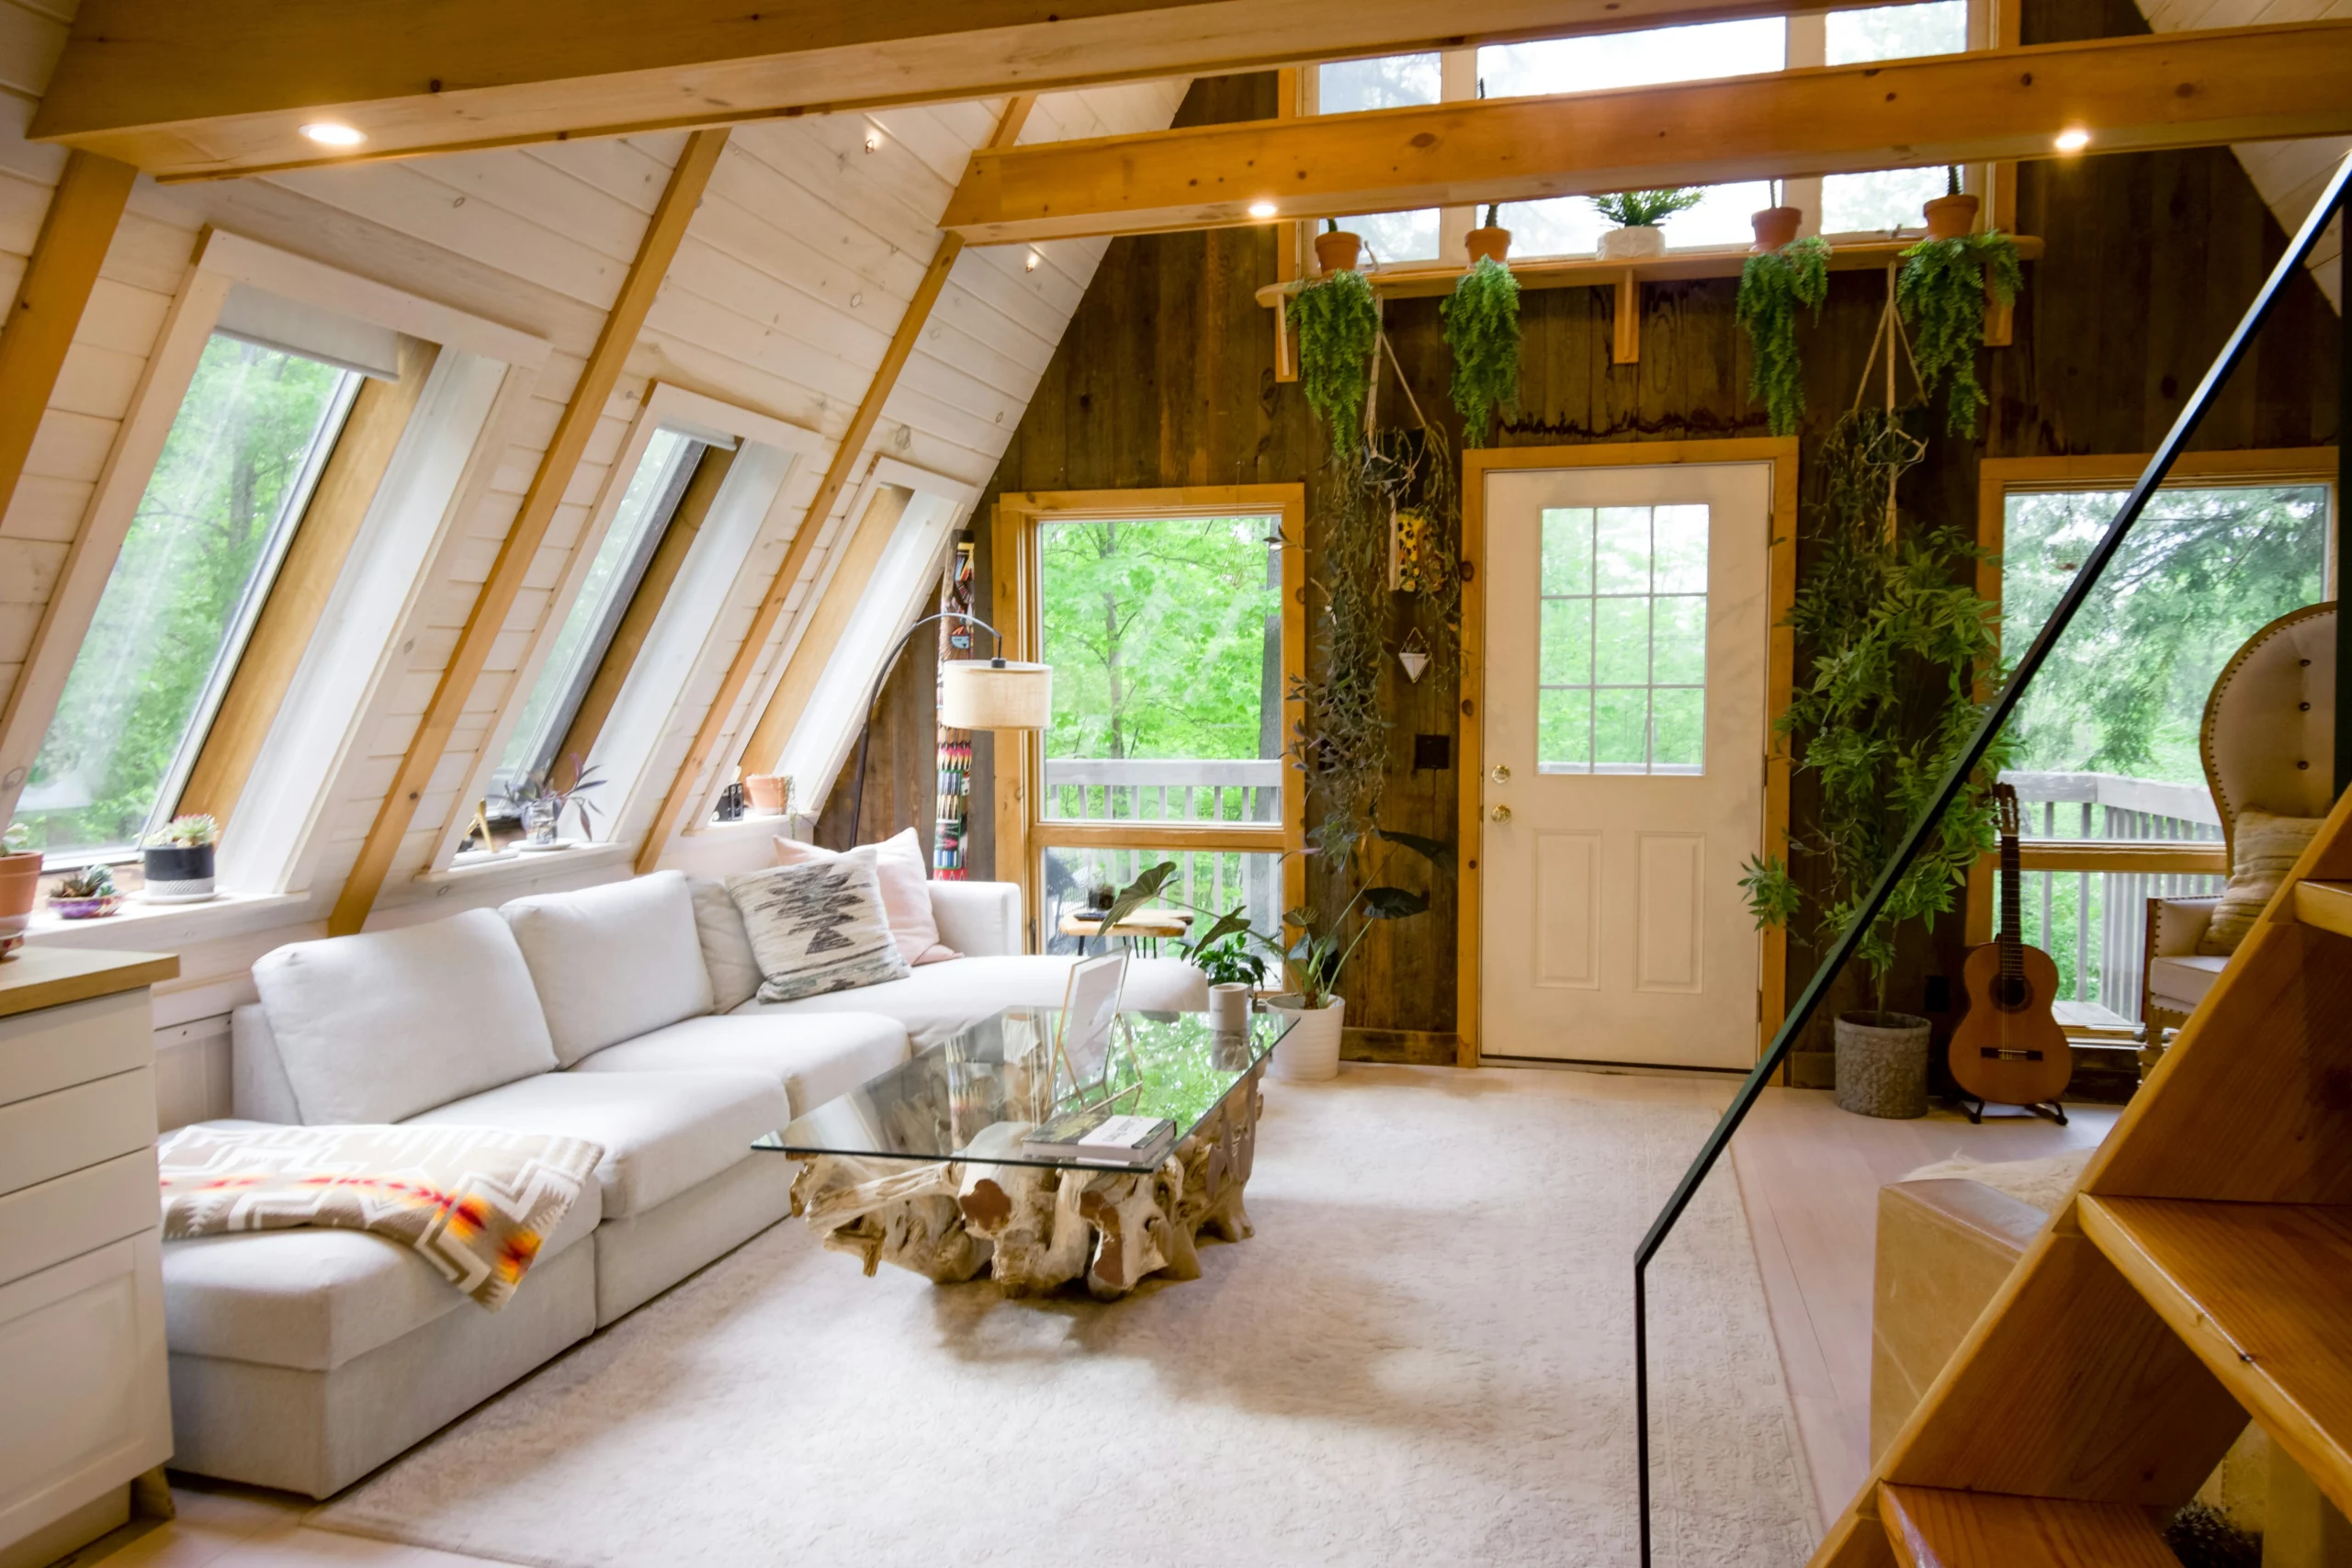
<point x="1624" y="744"/>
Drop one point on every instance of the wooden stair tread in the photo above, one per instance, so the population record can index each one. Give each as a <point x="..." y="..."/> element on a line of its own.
<point x="2327" y="905"/>
<point x="2261" y="1292"/>
<point x="1930" y="1526"/>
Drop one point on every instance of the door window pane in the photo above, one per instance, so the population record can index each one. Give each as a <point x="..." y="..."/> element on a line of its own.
<point x="1888" y="199"/>
<point x="1634" y="700"/>
<point x="1568" y="225"/>
<point x="1396" y="81"/>
<point x="196" y="567"/>
<point x="1217" y="880"/>
<point x="1165" y="638"/>
<point x="613" y="575"/>
<point x="2107" y="736"/>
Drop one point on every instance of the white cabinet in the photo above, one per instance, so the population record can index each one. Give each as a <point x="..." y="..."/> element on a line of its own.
<point x="82" y="1355"/>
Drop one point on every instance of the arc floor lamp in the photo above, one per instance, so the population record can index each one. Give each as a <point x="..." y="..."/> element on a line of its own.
<point x="996" y="692"/>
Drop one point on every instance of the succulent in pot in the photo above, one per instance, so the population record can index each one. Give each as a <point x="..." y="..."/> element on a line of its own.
<point x="85" y="895"/>
<point x="1490" y="241"/>
<point x="19" y="886"/>
<point x="1637" y="214"/>
<point x="1335" y="249"/>
<point x="1952" y="215"/>
<point x="177" y="860"/>
<point x="1776" y="228"/>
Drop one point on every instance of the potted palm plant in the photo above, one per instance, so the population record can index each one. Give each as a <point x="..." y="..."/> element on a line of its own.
<point x="19" y="886"/>
<point x="1637" y="214"/>
<point x="177" y="860"/>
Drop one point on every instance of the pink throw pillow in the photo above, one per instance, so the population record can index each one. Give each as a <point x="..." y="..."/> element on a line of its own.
<point x="906" y="897"/>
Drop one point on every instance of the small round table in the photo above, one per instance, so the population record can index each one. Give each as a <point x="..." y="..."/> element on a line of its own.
<point x="1141" y="926"/>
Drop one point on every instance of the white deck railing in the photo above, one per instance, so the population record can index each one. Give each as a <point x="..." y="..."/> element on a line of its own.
<point x="1148" y="793"/>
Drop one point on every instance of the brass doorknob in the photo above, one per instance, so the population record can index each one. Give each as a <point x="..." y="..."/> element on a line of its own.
<point x="1501" y="813"/>
<point x="1501" y="774"/>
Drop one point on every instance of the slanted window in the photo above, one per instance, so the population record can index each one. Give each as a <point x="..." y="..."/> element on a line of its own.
<point x="613" y="575"/>
<point x="1887" y="198"/>
<point x="196" y="567"/>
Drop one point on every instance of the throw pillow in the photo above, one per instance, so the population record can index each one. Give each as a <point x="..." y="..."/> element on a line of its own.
<point x="726" y="947"/>
<point x="614" y="961"/>
<point x="2263" y="849"/>
<point x="906" y="889"/>
<point x="816" y="928"/>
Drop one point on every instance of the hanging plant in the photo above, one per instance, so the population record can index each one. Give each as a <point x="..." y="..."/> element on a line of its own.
<point x="1771" y="286"/>
<point x="1482" y="328"/>
<point x="1338" y="325"/>
<point x="1941" y="291"/>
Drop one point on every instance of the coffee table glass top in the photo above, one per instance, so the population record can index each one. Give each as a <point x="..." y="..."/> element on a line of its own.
<point x="972" y="1096"/>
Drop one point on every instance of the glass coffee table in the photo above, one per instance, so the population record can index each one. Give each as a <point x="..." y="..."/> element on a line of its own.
<point x="921" y="1166"/>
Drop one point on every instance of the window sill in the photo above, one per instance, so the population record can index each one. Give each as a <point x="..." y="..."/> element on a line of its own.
<point x="514" y="866"/>
<point x="142" y="925"/>
<point x="791" y="825"/>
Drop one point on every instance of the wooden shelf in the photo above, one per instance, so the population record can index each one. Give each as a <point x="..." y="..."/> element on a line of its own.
<point x="2327" y="905"/>
<point x="1932" y="1527"/>
<point x="2259" y="1291"/>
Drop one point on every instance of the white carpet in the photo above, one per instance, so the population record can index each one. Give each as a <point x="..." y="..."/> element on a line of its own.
<point x="1422" y="1357"/>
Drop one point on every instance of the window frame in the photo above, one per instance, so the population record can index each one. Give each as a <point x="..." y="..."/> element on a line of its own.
<point x="2001" y="477"/>
<point x="1021" y="836"/>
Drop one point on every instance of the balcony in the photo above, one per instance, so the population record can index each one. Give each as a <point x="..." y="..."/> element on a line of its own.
<point x="1151" y="796"/>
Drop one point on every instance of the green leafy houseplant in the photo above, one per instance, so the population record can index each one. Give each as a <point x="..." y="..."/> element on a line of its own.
<point x="1771" y="287"/>
<point x="1228" y="962"/>
<point x="540" y="801"/>
<point x="1896" y="647"/>
<point x="1339" y="326"/>
<point x="1482" y="329"/>
<point x="1647" y="209"/>
<point x="18" y="840"/>
<point x="1941" y="291"/>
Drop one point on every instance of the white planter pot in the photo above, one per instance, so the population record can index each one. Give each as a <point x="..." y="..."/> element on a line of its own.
<point x="1311" y="1049"/>
<point x="1630" y="244"/>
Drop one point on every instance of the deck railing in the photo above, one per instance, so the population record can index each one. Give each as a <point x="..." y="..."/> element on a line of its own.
<point x="1152" y="793"/>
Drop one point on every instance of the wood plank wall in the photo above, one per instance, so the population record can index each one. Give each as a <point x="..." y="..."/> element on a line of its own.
<point x="1166" y="377"/>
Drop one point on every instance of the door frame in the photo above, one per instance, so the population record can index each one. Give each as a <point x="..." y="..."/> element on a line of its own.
<point x="1779" y="673"/>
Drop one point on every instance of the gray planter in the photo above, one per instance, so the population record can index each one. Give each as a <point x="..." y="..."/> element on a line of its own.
<point x="1883" y="1064"/>
<point x="178" y="875"/>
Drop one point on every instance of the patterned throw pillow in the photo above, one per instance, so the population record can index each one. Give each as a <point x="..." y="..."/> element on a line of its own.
<point x="816" y="928"/>
<point x="2263" y="849"/>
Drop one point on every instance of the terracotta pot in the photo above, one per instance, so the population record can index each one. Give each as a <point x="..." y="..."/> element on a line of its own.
<point x="1632" y="243"/>
<point x="1488" y="243"/>
<point x="1311" y="1049"/>
<point x="1951" y="217"/>
<point x="1337" y="250"/>
<point x="1776" y="226"/>
<point x="20" y="887"/>
<point x="768" y="793"/>
<point x="1883" y="1064"/>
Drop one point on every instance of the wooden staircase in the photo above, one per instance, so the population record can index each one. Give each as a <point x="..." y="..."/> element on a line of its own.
<point x="2201" y="1276"/>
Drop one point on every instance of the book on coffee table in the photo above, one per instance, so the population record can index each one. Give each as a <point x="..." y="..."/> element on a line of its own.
<point x="1100" y="1135"/>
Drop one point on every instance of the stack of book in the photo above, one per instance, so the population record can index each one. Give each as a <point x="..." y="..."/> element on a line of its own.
<point x="1099" y="1136"/>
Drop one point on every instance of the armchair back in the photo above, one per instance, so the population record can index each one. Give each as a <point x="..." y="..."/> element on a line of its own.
<point x="2268" y="739"/>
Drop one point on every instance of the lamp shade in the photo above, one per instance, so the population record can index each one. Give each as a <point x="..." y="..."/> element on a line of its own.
<point x="980" y="694"/>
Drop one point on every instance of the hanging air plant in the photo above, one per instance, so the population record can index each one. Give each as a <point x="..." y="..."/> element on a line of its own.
<point x="1338" y="325"/>
<point x="1942" y="291"/>
<point x="1482" y="328"/>
<point x="1771" y="286"/>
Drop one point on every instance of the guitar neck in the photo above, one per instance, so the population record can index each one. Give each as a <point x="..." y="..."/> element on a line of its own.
<point x="2012" y="921"/>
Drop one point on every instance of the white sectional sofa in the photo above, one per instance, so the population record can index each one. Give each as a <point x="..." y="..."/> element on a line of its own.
<point x="621" y="1013"/>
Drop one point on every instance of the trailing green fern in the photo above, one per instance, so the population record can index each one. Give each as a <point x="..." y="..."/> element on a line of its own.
<point x="1338" y="326"/>
<point x="1482" y="328"/>
<point x="1771" y="286"/>
<point x="1942" y="292"/>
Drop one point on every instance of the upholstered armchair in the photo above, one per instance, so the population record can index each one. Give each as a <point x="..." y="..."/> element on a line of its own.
<point x="2269" y="744"/>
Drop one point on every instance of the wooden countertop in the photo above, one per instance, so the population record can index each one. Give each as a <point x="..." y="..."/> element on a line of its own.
<point x="37" y="977"/>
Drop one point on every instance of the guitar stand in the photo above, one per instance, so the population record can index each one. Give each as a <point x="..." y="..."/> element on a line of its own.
<point x="1973" y="1109"/>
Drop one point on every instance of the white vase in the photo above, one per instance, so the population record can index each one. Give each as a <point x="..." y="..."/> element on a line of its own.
<point x="1632" y="243"/>
<point x="1311" y="1049"/>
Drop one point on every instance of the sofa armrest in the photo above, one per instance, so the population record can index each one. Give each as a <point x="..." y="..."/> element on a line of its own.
<point x="1944" y="1246"/>
<point x="2175" y="925"/>
<point x="978" y="920"/>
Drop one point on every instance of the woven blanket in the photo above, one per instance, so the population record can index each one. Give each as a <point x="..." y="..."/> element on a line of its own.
<point x="476" y="1202"/>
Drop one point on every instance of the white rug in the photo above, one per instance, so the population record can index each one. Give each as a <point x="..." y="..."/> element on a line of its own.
<point x="1423" y="1357"/>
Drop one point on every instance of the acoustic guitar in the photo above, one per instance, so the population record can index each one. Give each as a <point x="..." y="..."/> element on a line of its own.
<point x="2008" y="1049"/>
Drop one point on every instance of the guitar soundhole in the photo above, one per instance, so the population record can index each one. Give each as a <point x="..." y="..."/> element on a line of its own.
<point x="2011" y="993"/>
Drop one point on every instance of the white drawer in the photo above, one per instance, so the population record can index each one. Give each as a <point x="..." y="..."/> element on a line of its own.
<point x="52" y="1135"/>
<point x="56" y="1219"/>
<point x="88" y="1403"/>
<point x="58" y="1048"/>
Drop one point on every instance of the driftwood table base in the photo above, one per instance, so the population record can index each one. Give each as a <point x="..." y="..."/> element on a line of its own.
<point x="1035" y="1228"/>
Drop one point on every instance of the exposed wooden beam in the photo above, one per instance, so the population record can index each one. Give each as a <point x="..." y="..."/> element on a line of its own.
<point x="2185" y="89"/>
<point x="685" y="787"/>
<point x="597" y="380"/>
<point x="196" y="89"/>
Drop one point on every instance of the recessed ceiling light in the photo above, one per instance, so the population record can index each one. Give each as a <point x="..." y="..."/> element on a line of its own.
<point x="1030" y="265"/>
<point x="327" y="134"/>
<point x="2074" y="139"/>
<point x="1262" y="209"/>
<point x="874" y="142"/>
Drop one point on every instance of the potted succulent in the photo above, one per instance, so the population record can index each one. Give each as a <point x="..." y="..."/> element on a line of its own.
<point x="1490" y="241"/>
<point x="1942" y="290"/>
<point x="1337" y="324"/>
<point x="19" y="886"/>
<point x="85" y="895"/>
<point x="1772" y="286"/>
<point x="177" y="860"/>
<point x="1481" y="321"/>
<point x="1335" y="249"/>
<point x="539" y="803"/>
<point x="1776" y="227"/>
<point x="1952" y="214"/>
<point x="1637" y="214"/>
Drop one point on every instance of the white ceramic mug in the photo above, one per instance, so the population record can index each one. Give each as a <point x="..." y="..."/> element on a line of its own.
<point x="1229" y="1006"/>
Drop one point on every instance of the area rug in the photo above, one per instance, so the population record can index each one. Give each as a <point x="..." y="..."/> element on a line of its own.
<point x="1424" y="1356"/>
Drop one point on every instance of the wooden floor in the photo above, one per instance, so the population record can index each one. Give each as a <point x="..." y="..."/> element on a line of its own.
<point x="1809" y="1174"/>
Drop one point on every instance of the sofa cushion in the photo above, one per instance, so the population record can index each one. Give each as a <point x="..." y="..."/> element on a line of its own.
<point x="380" y="1026"/>
<point x="315" y="1298"/>
<point x="2263" y="849"/>
<point x="941" y="999"/>
<point x="726" y="946"/>
<point x="663" y="1132"/>
<point x="2186" y="979"/>
<point x="816" y="928"/>
<point x="815" y="1058"/>
<point x="612" y="960"/>
<point x="899" y="866"/>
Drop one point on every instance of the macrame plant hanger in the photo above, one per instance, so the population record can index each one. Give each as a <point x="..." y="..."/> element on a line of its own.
<point x="1895" y="449"/>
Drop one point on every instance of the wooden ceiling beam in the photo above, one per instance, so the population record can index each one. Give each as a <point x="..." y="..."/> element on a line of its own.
<point x="196" y="89"/>
<point x="2187" y="89"/>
